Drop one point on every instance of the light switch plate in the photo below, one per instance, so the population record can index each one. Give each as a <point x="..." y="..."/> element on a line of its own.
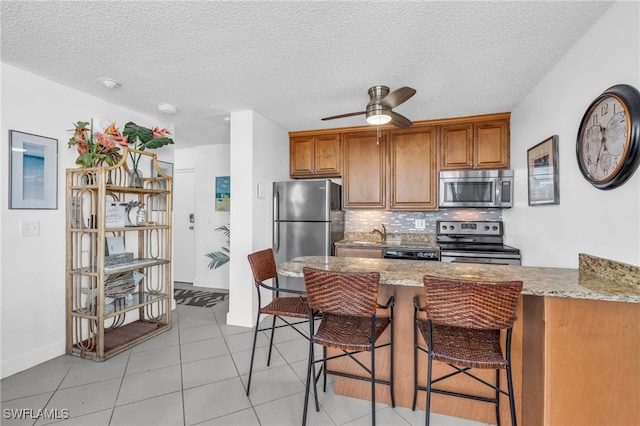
<point x="420" y="224"/>
<point x="30" y="228"/>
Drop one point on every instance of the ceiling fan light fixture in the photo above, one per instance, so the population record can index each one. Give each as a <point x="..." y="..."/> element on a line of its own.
<point x="378" y="115"/>
<point x="379" y="118"/>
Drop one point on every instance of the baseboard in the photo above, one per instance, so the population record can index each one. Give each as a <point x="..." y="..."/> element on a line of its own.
<point x="30" y="359"/>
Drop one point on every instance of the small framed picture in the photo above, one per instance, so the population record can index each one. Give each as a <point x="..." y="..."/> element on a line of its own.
<point x="33" y="171"/>
<point x="542" y="166"/>
<point x="167" y="169"/>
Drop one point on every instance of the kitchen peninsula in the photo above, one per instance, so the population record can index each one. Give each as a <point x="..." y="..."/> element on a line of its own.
<point x="575" y="343"/>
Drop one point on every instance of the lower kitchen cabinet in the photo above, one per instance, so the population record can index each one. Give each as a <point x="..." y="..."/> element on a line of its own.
<point x="359" y="252"/>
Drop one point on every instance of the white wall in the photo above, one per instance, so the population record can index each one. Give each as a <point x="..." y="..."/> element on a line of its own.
<point x="259" y="155"/>
<point x="32" y="276"/>
<point x="588" y="220"/>
<point x="211" y="161"/>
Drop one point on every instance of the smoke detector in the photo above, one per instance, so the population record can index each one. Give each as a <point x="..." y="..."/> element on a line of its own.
<point x="167" y="108"/>
<point x="109" y="83"/>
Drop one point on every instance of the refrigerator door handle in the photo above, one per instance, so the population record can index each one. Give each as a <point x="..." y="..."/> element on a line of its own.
<point x="276" y="224"/>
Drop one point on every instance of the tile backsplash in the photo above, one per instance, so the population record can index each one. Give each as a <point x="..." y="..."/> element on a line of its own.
<point x="405" y="222"/>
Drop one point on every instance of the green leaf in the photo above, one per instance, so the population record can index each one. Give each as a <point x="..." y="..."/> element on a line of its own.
<point x="141" y="138"/>
<point x="217" y="259"/>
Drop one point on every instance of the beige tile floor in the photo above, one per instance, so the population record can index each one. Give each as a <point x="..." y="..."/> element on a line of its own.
<point x="194" y="374"/>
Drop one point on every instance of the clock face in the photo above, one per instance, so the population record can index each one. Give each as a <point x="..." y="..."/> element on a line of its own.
<point x="604" y="138"/>
<point x="608" y="143"/>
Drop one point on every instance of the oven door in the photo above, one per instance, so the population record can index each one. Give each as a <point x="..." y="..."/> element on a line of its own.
<point x="481" y="258"/>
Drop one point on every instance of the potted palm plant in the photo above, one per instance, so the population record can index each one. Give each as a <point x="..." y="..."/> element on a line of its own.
<point x="220" y="258"/>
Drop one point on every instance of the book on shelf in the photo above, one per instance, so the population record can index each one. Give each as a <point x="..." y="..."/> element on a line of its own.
<point x="76" y="219"/>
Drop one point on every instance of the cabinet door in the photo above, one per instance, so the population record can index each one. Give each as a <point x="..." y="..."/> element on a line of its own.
<point x="301" y="156"/>
<point x="359" y="252"/>
<point x="364" y="170"/>
<point x="456" y="147"/>
<point x="413" y="171"/>
<point x="328" y="155"/>
<point x="491" y="145"/>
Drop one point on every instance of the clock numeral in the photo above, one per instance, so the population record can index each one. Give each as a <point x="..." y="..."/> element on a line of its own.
<point x="604" y="109"/>
<point x="595" y="119"/>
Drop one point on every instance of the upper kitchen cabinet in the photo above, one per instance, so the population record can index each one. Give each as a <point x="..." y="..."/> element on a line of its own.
<point x="475" y="143"/>
<point x="363" y="178"/>
<point x="413" y="169"/>
<point x="315" y="155"/>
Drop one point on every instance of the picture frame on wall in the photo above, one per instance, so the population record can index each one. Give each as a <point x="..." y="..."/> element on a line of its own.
<point x="543" y="173"/>
<point x="33" y="171"/>
<point x="223" y="193"/>
<point x="167" y="169"/>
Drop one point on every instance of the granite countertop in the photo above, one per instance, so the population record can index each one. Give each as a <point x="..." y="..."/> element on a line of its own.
<point x="597" y="279"/>
<point x="395" y="240"/>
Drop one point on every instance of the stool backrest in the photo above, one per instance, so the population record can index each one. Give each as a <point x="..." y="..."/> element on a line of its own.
<point x="342" y="293"/>
<point x="483" y="305"/>
<point x="263" y="266"/>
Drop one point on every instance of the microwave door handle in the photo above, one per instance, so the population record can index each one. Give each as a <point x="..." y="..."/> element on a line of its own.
<point x="498" y="193"/>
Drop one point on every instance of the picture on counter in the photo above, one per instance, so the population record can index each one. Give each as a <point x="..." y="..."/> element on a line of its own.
<point x="160" y="201"/>
<point x="223" y="193"/>
<point x="542" y="166"/>
<point x="33" y="176"/>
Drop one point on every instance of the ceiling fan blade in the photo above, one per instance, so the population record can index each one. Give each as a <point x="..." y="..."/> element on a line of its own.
<point x="400" y="120"/>
<point x="397" y="97"/>
<point x="351" y="114"/>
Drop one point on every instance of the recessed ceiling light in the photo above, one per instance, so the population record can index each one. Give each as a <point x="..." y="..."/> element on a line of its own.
<point x="109" y="83"/>
<point x="167" y="109"/>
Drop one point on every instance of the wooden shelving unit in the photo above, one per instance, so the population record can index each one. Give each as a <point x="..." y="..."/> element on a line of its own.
<point x="115" y="301"/>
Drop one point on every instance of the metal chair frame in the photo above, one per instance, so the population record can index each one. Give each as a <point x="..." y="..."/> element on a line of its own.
<point x="460" y="370"/>
<point x="276" y="290"/>
<point x="311" y="366"/>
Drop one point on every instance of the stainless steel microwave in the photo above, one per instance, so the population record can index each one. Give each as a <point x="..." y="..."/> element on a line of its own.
<point x="476" y="188"/>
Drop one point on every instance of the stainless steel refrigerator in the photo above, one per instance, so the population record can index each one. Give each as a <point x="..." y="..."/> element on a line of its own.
<point x="307" y="220"/>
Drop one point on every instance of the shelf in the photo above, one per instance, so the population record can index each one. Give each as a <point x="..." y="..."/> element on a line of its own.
<point x="121" y="311"/>
<point x="136" y="264"/>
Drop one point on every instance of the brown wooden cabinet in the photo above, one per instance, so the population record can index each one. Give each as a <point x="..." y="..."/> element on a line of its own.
<point x="363" y="178"/>
<point x="315" y="155"/>
<point x="359" y="252"/>
<point x="413" y="169"/>
<point x="482" y="144"/>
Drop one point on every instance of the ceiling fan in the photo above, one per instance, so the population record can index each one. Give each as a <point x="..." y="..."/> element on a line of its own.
<point x="379" y="109"/>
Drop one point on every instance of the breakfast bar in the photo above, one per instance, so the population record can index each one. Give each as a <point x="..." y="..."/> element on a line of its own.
<point x="575" y="343"/>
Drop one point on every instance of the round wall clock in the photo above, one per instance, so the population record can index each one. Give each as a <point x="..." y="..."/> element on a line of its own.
<point x="608" y="144"/>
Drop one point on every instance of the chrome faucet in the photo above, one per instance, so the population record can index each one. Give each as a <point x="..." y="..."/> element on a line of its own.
<point x="383" y="233"/>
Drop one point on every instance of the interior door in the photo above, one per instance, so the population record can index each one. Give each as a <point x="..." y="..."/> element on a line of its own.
<point x="184" y="225"/>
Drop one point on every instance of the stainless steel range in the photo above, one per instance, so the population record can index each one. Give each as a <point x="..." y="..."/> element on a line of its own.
<point x="474" y="242"/>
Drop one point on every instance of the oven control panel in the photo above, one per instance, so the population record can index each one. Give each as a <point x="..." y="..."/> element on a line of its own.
<point x="453" y="227"/>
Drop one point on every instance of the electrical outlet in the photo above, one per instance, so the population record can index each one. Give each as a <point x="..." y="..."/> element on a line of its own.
<point x="30" y="228"/>
<point x="420" y="224"/>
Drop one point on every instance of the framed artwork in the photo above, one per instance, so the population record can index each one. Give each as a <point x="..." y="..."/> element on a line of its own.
<point x="33" y="171"/>
<point x="542" y="166"/>
<point x="167" y="169"/>
<point x="223" y="193"/>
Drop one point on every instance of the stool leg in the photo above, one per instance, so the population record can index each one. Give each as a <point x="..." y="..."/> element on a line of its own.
<point x="415" y="364"/>
<point x="306" y="390"/>
<point x="393" y="399"/>
<point x="428" y="405"/>
<point x="253" y="353"/>
<point x="498" y="397"/>
<point x="273" y="328"/>
<point x="324" y="369"/>
<point x="373" y="382"/>
<point x="512" y="402"/>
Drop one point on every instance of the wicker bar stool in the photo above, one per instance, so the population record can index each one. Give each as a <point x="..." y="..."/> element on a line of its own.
<point x="263" y="266"/>
<point x="462" y="329"/>
<point x="348" y="302"/>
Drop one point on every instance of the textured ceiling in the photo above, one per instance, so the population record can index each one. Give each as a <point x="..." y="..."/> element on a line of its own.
<point x="294" y="61"/>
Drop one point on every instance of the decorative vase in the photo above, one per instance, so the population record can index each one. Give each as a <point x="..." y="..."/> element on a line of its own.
<point x="135" y="178"/>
